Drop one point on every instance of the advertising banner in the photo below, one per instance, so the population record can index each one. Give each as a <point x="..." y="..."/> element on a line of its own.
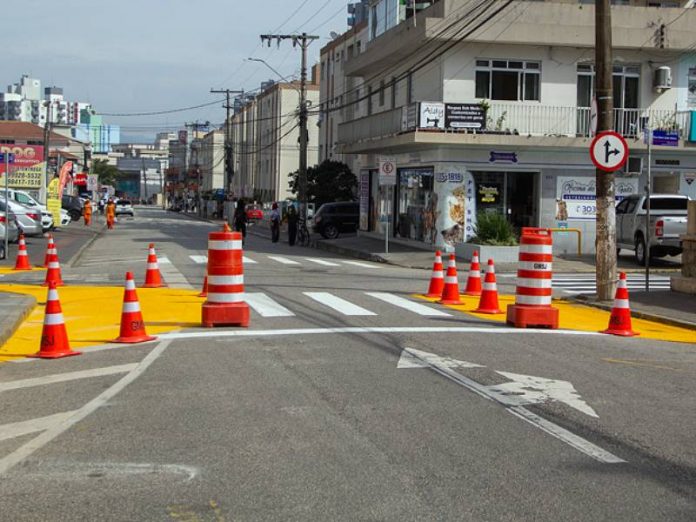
<point x="453" y="206"/>
<point x="576" y="197"/>
<point x="432" y="115"/>
<point x="53" y="200"/>
<point x="64" y="177"/>
<point x="464" y="116"/>
<point x="27" y="170"/>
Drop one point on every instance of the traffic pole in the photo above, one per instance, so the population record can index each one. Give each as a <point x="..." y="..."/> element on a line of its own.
<point x="7" y="208"/>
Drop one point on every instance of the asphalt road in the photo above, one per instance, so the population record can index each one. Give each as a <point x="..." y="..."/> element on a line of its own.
<point x="316" y="414"/>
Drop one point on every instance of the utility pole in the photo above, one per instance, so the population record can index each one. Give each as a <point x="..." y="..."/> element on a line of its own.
<point x="46" y="143"/>
<point x="605" y="242"/>
<point x="303" y="40"/>
<point x="229" y="167"/>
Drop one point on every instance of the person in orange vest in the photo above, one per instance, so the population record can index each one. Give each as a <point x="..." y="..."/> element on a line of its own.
<point x="110" y="214"/>
<point x="87" y="212"/>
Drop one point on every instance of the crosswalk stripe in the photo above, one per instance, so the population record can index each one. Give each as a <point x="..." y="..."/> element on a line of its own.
<point x="411" y="306"/>
<point x="283" y="260"/>
<point x="358" y="263"/>
<point x="64" y="377"/>
<point x="338" y="304"/>
<point x="163" y="260"/>
<point x="321" y="261"/>
<point x="265" y="306"/>
<point x="19" y="429"/>
<point x="199" y="260"/>
<point x="248" y="261"/>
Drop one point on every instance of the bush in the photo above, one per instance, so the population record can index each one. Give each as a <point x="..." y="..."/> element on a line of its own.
<point x="493" y="229"/>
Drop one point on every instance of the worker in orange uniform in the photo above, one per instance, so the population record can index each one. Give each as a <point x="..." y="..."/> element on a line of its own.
<point x="87" y="212"/>
<point x="110" y="214"/>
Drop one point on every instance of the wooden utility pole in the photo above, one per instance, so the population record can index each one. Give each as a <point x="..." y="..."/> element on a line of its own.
<point x="605" y="242"/>
<point x="229" y="167"/>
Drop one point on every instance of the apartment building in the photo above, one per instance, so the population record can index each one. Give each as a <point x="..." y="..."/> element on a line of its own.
<point x="486" y="107"/>
<point x="212" y="160"/>
<point x="243" y="132"/>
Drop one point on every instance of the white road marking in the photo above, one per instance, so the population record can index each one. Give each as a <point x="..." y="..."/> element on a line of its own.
<point x="163" y="260"/>
<point x="173" y="277"/>
<point x="364" y="265"/>
<point x="412" y="358"/>
<point x="58" y="468"/>
<point x="199" y="260"/>
<point x="64" y="377"/>
<point x="338" y="304"/>
<point x="19" y="429"/>
<point x="54" y="430"/>
<point x="321" y="261"/>
<point x="248" y="261"/>
<point x="283" y="260"/>
<point x="411" y="306"/>
<point x="265" y="306"/>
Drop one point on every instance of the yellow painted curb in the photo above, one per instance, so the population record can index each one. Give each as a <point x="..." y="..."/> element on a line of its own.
<point x="573" y="316"/>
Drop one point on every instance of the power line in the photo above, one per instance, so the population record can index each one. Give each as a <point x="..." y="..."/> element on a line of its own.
<point x="158" y="113"/>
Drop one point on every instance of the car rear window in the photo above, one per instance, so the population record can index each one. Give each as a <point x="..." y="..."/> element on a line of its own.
<point x="666" y="204"/>
<point x="123" y="202"/>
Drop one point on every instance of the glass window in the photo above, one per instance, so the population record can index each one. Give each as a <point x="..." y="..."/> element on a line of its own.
<point x="621" y="207"/>
<point x="508" y="80"/>
<point x="483" y="81"/>
<point x="666" y="203"/>
<point x="531" y="87"/>
<point x="504" y="85"/>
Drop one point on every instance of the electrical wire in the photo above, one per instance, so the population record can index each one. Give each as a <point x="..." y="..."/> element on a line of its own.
<point x="158" y="113"/>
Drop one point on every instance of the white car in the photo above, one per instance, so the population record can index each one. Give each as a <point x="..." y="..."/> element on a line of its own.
<point x="47" y="222"/>
<point x="124" y="207"/>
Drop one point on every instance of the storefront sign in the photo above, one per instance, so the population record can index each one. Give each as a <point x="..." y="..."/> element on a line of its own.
<point x="576" y="197"/>
<point x="502" y="157"/>
<point x="81" y="179"/>
<point x="488" y="194"/>
<point x="364" y="199"/>
<point x="387" y="172"/>
<point x="464" y="116"/>
<point x="27" y="170"/>
<point x="432" y="115"/>
<point x="92" y="182"/>
<point x="454" y="206"/>
<point x="450" y="177"/>
<point x="665" y="138"/>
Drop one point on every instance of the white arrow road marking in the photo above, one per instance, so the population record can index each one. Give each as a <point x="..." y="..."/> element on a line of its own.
<point x="265" y="306"/>
<point x="582" y="445"/>
<point x="64" y="377"/>
<point x="411" y="306"/>
<point x="412" y="358"/>
<point x="19" y="429"/>
<point x="284" y="260"/>
<point x="199" y="260"/>
<point x="338" y="304"/>
<point x="527" y="389"/>
<point x="321" y="261"/>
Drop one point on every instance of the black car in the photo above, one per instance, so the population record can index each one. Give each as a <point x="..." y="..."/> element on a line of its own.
<point x="333" y="218"/>
<point x="73" y="205"/>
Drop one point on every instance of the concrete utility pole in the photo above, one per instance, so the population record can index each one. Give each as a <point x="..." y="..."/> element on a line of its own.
<point x="605" y="242"/>
<point x="303" y="40"/>
<point x="229" y="167"/>
<point x="46" y="143"/>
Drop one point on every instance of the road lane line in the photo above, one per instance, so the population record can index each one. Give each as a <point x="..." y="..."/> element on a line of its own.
<point x="9" y="461"/>
<point x="265" y="306"/>
<point x="283" y="260"/>
<point x="411" y="306"/>
<point x="199" y="260"/>
<point x="321" y="261"/>
<point x="19" y="429"/>
<point x="338" y="304"/>
<point x="64" y="377"/>
<point x="363" y="265"/>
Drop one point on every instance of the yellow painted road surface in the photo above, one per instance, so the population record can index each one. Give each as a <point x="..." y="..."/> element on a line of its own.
<point x="9" y="270"/>
<point x="93" y="315"/>
<point x="573" y="316"/>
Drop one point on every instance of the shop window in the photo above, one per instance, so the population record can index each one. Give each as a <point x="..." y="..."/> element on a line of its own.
<point x="510" y="80"/>
<point x="415" y="205"/>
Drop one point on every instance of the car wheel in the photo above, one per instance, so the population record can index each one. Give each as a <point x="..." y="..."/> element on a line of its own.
<point x="75" y="215"/>
<point x="640" y="250"/>
<point x="330" y="231"/>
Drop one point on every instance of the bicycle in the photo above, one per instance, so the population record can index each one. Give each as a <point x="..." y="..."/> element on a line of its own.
<point x="302" y="233"/>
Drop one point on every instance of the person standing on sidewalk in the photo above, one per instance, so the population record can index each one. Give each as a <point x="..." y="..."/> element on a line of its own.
<point x="240" y="219"/>
<point x="87" y="211"/>
<point x="275" y="223"/>
<point x="292" y="224"/>
<point x="110" y="212"/>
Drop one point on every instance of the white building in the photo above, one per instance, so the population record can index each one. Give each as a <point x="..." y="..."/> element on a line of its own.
<point x="486" y="108"/>
<point x="212" y="160"/>
<point x="243" y="132"/>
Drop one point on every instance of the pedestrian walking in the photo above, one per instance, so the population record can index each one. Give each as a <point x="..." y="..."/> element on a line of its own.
<point x="275" y="223"/>
<point x="240" y="219"/>
<point x="110" y="214"/>
<point x="292" y="224"/>
<point x="87" y="212"/>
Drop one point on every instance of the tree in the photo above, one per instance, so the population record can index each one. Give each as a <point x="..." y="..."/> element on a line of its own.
<point x="329" y="181"/>
<point x="107" y="174"/>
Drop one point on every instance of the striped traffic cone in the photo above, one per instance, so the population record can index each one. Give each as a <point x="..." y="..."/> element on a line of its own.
<point x="488" y="304"/>
<point x="437" y="280"/>
<point x="450" y="292"/>
<point x="53" y="274"/>
<point x="50" y="250"/>
<point x="153" y="278"/>
<point x="22" y="262"/>
<point x="620" y="319"/>
<point x="132" y="324"/>
<point x="204" y="291"/>
<point x="54" y="336"/>
<point x="473" y="282"/>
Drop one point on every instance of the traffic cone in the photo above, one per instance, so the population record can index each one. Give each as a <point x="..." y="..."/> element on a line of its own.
<point x="488" y="304"/>
<point x="620" y="319"/>
<point x="22" y="262"/>
<point x="132" y="324"/>
<point x="437" y="281"/>
<point x="153" y="278"/>
<point x="204" y="292"/>
<point x="54" y="337"/>
<point x="53" y="274"/>
<point x="473" y="282"/>
<point x="50" y="250"/>
<point x="226" y="228"/>
<point x="450" y="292"/>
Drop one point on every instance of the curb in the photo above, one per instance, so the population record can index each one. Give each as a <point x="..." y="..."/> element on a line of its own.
<point x="637" y="314"/>
<point x="26" y="304"/>
<point x="74" y="259"/>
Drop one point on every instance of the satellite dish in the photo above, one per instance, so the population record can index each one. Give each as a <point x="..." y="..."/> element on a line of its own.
<point x="334" y="35"/>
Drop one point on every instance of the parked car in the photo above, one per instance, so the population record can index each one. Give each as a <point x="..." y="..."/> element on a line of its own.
<point x="26" y="199"/>
<point x="73" y="205"/>
<point x="9" y="224"/>
<point x="668" y="215"/>
<point x="124" y="207"/>
<point x="333" y="218"/>
<point x="254" y="212"/>
<point x="28" y="219"/>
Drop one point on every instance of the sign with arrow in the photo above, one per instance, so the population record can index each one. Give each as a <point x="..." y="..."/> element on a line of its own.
<point x="609" y="151"/>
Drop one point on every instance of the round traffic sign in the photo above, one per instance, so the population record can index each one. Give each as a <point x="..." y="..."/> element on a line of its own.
<point x="609" y="151"/>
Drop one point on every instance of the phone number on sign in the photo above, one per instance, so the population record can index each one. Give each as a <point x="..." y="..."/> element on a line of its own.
<point x="586" y="210"/>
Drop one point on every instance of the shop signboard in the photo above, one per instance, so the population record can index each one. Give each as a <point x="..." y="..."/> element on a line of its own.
<point x="92" y="182"/>
<point x="451" y="216"/>
<point x="28" y="167"/>
<point x="464" y="116"/>
<point x="576" y="197"/>
<point x="432" y="115"/>
<point x="80" y="179"/>
<point x="665" y="138"/>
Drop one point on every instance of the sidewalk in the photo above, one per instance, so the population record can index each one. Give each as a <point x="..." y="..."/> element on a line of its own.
<point x="14" y="308"/>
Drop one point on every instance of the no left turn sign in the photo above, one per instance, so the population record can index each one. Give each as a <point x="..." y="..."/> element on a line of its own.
<point x="609" y="151"/>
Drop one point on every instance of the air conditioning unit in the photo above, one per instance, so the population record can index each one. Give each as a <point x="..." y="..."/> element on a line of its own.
<point x="662" y="79"/>
<point x="634" y="165"/>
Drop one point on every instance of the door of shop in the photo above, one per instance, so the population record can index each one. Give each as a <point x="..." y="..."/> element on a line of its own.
<point x="513" y="194"/>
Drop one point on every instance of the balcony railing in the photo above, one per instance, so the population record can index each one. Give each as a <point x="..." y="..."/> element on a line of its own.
<point x="381" y="125"/>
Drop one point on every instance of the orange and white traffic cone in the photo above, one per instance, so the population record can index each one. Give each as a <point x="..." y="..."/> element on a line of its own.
<point x="450" y="292"/>
<point x="132" y="324"/>
<point x="488" y="304"/>
<point x="204" y="291"/>
<point x="54" y="337"/>
<point x="22" y="262"/>
<point x="473" y="282"/>
<point x="437" y="280"/>
<point x="50" y="250"/>
<point x="620" y="319"/>
<point x="53" y="274"/>
<point x="153" y="278"/>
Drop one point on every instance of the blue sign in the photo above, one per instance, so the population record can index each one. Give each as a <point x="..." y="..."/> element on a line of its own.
<point x="508" y="157"/>
<point x="665" y="138"/>
<point x="10" y="158"/>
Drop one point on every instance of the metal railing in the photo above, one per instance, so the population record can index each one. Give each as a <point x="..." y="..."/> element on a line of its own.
<point x="380" y="125"/>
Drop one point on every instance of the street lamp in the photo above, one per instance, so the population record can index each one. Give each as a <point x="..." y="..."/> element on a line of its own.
<point x="271" y="68"/>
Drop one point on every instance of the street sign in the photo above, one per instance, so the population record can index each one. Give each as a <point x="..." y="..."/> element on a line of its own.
<point x="387" y="172"/>
<point x="609" y="151"/>
<point x="665" y="138"/>
<point x="92" y="182"/>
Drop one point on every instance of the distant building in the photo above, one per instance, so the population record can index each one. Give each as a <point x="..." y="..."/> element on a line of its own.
<point x="142" y="178"/>
<point x="212" y="160"/>
<point x="92" y="129"/>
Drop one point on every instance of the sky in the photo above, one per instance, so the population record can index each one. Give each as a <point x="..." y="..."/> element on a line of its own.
<point x="128" y="56"/>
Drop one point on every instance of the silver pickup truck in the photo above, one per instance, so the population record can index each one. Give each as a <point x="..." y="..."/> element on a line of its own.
<point x="668" y="217"/>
